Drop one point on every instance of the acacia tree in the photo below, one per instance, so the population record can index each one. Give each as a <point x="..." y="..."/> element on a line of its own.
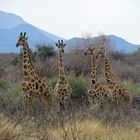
<point x="44" y="51"/>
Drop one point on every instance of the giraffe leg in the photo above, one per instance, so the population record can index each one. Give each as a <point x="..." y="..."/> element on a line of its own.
<point x="28" y="103"/>
<point x="66" y="102"/>
<point x="90" y="100"/>
<point x="47" y="102"/>
<point x="25" y="101"/>
<point x="62" y="108"/>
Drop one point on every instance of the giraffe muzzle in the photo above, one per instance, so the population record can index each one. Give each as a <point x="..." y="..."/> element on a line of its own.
<point x="17" y="45"/>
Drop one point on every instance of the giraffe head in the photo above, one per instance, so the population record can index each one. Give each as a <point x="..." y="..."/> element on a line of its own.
<point x="90" y="51"/>
<point x="102" y="52"/>
<point x="22" y="40"/>
<point x="60" y="45"/>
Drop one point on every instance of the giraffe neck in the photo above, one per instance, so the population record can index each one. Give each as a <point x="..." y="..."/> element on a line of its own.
<point x="61" y="67"/>
<point x="28" y="67"/>
<point x="110" y="77"/>
<point x="93" y="71"/>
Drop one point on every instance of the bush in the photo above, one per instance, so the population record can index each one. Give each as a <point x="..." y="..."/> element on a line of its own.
<point x="53" y="81"/>
<point x="12" y="96"/>
<point x="134" y="88"/>
<point x="78" y="88"/>
<point x="3" y="84"/>
<point x="78" y="85"/>
<point x="44" y="51"/>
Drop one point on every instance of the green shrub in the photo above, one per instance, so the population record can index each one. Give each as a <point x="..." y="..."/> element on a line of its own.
<point x="44" y="51"/>
<point x="53" y="81"/>
<point x="78" y="84"/>
<point x="134" y="88"/>
<point x="3" y="84"/>
<point x="12" y="94"/>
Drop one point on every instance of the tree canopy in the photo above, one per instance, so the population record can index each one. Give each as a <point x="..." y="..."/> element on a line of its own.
<point x="44" y="51"/>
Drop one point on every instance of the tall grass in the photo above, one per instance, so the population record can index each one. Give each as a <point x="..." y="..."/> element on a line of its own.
<point x="10" y="130"/>
<point x="72" y="129"/>
<point x="95" y="130"/>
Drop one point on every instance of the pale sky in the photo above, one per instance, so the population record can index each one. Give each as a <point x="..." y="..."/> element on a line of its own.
<point x="72" y="18"/>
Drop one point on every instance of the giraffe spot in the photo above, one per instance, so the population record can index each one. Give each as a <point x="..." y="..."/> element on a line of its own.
<point x="93" y="81"/>
<point x="43" y="85"/>
<point x="25" y="60"/>
<point x="41" y="89"/>
<point x="36" y="85"/>
<point x="25" y="66"/>
<point x="111" y="87"/>
<point x="32" y="80"/>
<point x="63" y="78"/>
<point x="119" y="91"/>
<point x="27" y="88"/>
<point x="25" y="73"/>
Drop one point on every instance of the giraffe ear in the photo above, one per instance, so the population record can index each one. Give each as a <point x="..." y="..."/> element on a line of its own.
<point x="26" y="38"/>
<point x="65" y="44"/>
<point x="57" y="45"/>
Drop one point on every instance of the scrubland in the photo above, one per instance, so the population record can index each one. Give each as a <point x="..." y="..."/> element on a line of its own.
<point x="80" y="122"/>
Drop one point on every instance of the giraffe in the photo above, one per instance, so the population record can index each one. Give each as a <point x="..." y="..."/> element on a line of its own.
<point x="97" y="93"/>
<point x="62" y="89"/>
<point x="32" y="85"/>
<point x="120" y="94"/>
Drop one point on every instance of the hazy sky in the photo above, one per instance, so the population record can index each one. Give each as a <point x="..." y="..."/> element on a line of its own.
<point x="70" y="18"/>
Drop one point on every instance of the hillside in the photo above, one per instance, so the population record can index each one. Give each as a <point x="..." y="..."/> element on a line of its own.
<point x="117" y="43"/>
<point x="9" y="20"/>
<point x="12" y="25"/>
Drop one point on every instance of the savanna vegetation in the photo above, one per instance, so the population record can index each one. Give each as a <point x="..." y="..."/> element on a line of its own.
<point x="81" y="122"/>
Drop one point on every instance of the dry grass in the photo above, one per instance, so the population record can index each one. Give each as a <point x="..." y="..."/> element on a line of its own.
<point x="13" y="128"/>
<point x="71" y="126"/>
<point x="9" y="130"/>
<point x="95" y="130"/>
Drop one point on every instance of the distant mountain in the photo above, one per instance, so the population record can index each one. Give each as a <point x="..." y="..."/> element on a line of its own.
<point x="9" y="20"/>
<point x="9" y="37"/>
<point x="12" y="25"/>
<point x="122" y="45"/>
<point x="117" y="43"/>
